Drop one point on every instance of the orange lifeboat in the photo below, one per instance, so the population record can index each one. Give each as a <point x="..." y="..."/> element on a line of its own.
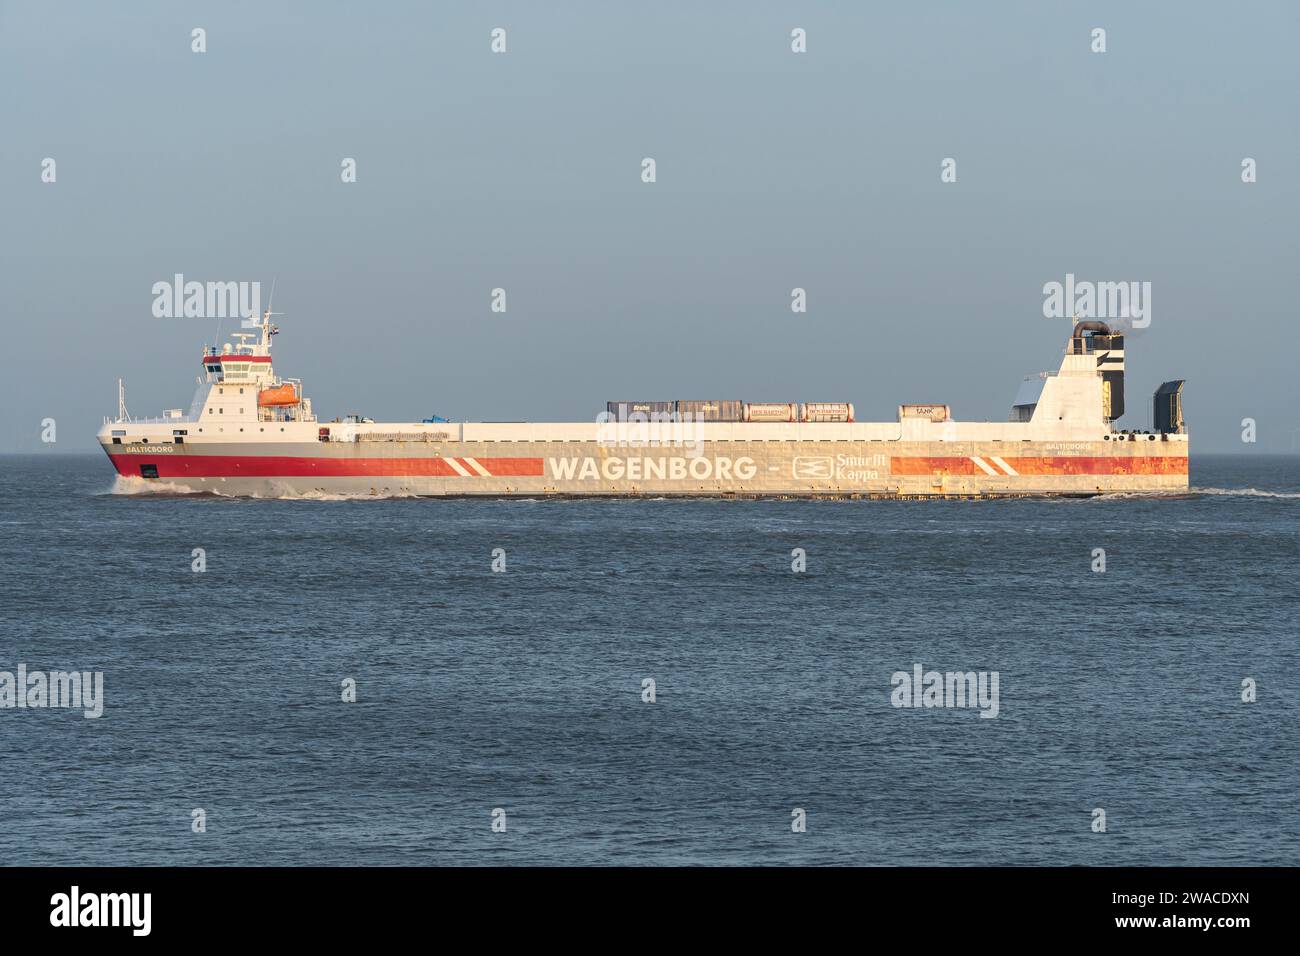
<point x="276" y="396"/>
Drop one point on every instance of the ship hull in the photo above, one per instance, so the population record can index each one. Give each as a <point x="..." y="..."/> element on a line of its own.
<point x="738" y="468"/>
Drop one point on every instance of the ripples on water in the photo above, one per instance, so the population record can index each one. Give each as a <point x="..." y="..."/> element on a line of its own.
<point x="522" y="690"/>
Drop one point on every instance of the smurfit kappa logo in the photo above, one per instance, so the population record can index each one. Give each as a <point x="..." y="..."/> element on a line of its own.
<point x="814" y="468"/>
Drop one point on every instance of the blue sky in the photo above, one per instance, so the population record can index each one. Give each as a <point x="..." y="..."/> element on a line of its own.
<point x="774" y="170"/>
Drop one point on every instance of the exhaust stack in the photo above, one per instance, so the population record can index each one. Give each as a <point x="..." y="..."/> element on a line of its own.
<point x="1097" y="338"/>
<point x="1167" y="409"/>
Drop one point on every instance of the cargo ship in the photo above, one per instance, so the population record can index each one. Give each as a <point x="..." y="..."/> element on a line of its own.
<point x="249" y="432"/>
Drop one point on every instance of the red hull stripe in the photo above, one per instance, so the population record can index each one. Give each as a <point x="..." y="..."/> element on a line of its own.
<point x="269" y="466"/>
<point x="258" y="466"/>
<point x="1065" y="465"/>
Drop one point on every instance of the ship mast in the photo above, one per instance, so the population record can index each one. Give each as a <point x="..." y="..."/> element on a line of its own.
<point x="265" y="329"/>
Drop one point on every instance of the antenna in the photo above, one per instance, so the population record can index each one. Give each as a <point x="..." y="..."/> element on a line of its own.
<point x="267" y="328"/>
<point x="270" y="303"/>
<point x="121" y="402"/>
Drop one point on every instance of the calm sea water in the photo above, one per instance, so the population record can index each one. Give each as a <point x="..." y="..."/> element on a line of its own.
<point x="523" y="690"/>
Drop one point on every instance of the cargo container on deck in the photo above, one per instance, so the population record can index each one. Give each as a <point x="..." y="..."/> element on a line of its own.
<point x="771" y="411"/>
<point x="658" y="411"/>
<point x="826" y="412"/>
<point x="717" y="410"/>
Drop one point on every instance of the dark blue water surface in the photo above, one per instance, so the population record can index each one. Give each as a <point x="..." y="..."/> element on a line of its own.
<point x="523" y="690"/>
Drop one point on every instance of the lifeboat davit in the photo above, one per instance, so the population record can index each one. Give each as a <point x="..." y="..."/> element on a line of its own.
<point x="276" y="396"/>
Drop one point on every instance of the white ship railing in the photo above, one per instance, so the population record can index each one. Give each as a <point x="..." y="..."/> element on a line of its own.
<point x="402" y="436"/>
<point x="161" y="420"/>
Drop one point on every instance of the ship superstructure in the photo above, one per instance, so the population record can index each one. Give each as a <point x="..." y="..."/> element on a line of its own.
<point x="249" y="432"/>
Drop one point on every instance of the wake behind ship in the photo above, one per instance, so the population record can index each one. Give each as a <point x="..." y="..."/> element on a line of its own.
<point x="249" y="432"/>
